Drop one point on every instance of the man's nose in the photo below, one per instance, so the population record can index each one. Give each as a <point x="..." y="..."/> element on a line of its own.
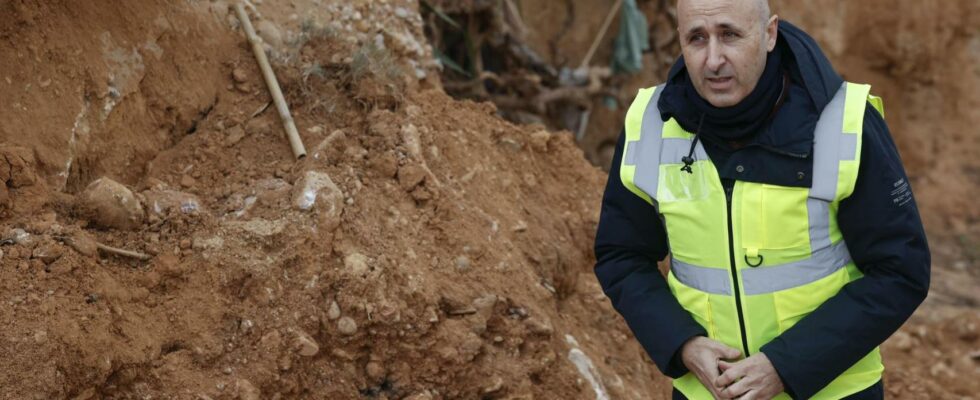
<point x="716" y="56"/>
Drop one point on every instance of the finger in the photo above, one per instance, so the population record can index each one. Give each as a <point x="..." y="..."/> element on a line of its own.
<point x="727" y="352"/>
<point x="736" y="389"/>
<point x="750" y="395"/>
<point x="733" y="374"/>
<point x="725" y="365"/>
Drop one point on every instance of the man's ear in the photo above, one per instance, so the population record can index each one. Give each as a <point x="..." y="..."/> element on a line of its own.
<point x="772" y="31"/>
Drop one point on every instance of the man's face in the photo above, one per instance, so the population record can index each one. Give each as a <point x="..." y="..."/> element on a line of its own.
<point x="724" y="43"/>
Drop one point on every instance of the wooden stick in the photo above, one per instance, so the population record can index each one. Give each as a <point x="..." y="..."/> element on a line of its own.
<point x="602" y="33"/>
<point x="125" y="253"/>
<point x="270" y="80"/>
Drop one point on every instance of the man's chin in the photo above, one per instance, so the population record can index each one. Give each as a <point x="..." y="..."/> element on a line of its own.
<point x="722" y="100"/>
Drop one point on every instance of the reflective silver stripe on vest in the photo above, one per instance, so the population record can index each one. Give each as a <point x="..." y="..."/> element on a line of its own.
<point x="821" y="264"/>
<point x="645" y="153"/>
<point x="705" y="279"/>
<point x="831" y="146"/>
<point x="675" y="149"/>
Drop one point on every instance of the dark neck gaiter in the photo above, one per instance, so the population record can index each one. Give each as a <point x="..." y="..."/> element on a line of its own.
<point x="743" y="120"/>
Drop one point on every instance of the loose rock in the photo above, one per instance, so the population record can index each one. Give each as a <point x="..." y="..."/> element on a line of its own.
<point x="356" y="263"/>
<point x="347" y="326"/>
<point x="305" y="345"/>
<point x="269" y="33"/>
<point x="48" y="253"/>
<point x="317" y="189"/>
<point x="538" y="327"/>
<point x="109" y="204"/>
<point x="463" y="263"/>
<point x="410" y="176"/>
<point x="84" y="244"/>
<point x="162" y="202"/>
<point x="375" y="370"/>
<point x="334" y="311"/>
<point x="234" y="135"/>
<point x="245" y="390"/>
<point x="539" y="141"/>
<point x="902" y="340"/>
<point x="239" y="75"/>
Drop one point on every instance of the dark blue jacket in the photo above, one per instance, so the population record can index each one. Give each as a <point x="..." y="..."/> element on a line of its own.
<point x="880" y="223"/>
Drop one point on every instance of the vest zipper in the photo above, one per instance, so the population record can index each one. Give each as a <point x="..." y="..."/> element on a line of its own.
<point x="731" y="258"/>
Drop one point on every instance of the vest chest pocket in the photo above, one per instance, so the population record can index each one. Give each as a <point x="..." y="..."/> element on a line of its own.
<point x="775" y="217"/>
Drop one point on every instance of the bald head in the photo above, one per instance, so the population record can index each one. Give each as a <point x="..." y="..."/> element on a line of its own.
<point x="725" y="44"/>
<point x="760" y="7"/>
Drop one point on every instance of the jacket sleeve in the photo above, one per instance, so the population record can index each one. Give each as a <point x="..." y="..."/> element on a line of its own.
<point x="630" y="240"/>
<point x="881" y="226"/>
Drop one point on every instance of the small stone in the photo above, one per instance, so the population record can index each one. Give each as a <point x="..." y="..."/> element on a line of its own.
<point x="902" y="341"/>
<point x="410" y="176"/>
<point x="538" y="327"/>
<point x="471" y="347"/>
<point x="305" y="345"/>
<point x="160" y="203"/>
<point x="426" y="395"/>
<point x="375" y="370"/>
<point x="110" y="204"/>
<point x="539" y="141"/>
<point x="84" y="244"/>
<point x="484" y="311"/>
<point x="19" y="236"/>
<point x="496" y="384"/>
<point x="343" y="355"/>
<point x="333" y="312"/>
<point x="185" y="244"/>
<point x="246" y="390"/>
<point x="411" y="140"/>
<point x="356" y="263"/>
<point x="234" y="135"/>
<point x="511" y="144"/>
<point x="187" y="181"/>
<point x="317" y="189"/>
<point x="48" y="253"/>
<point x="269" y="33"/>
<point x="463" y="263"/>
<point x="520" y="227"/>
<point x="347" y="326"/>
<point x="967" y="330"/>
<point x="940" y="368"/>
<point x="239" y="75"/>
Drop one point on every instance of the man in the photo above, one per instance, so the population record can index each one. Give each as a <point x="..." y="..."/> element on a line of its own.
<point x="796" y="245"/>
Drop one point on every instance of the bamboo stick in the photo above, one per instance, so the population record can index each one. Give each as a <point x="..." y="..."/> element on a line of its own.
<point x="124" y="253"/>
<point x="602" y="33"/>
<point x="299" y="151"/>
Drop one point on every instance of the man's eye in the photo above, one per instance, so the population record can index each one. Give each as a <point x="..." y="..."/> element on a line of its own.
<point x="730" y="35"/>
<point x="696" y="38"/>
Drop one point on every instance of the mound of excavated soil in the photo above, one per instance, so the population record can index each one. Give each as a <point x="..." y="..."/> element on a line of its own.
<point x="425" y="249"/>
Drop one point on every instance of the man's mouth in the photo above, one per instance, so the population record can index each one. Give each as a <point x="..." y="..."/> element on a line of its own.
<point x="720" y="83"/>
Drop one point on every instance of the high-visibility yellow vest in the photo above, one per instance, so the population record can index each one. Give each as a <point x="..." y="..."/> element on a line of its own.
<point x="751" y="263"/>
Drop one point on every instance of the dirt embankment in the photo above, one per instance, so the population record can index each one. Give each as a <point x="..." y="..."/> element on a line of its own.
<point x="424" y="250"/>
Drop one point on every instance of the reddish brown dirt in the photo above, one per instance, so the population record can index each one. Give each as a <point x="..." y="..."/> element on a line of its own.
<point x="469" y="281"/>
<point x="454" y="262"/>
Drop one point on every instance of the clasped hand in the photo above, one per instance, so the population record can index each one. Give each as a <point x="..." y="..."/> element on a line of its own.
<point x="753" y="378"/>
